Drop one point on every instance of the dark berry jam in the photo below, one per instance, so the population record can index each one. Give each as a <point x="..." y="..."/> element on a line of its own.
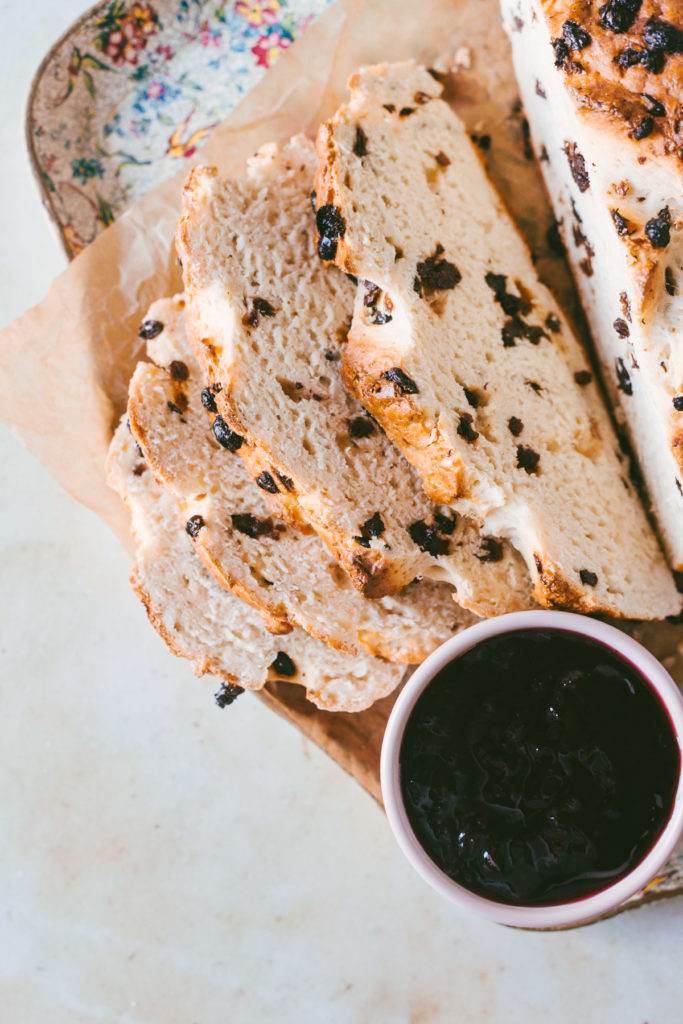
<point x="538" y="768"/>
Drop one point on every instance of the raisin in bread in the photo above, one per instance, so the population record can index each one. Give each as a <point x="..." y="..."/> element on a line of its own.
<point x="289" y="577"/>
<point x="218" y="633"/>
<point x="602" y="90"/>
<point x="465" y="359"/>
<point x="269" y="324"/>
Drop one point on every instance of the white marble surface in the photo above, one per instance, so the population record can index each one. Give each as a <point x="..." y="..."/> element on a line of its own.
<point x="164" y="862"/>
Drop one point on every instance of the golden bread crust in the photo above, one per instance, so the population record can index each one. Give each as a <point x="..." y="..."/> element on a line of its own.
<point x="617" y="75"/>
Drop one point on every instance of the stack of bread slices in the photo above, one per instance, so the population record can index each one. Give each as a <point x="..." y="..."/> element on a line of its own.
<point x="366" y="423"/>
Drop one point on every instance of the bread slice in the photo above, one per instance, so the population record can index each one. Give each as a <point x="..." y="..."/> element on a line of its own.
<point x="463" y="356"/>
<point x="604" y="111"/>
<point x="290" y="578"/>
<point x="269" y="324"/>
<point x="218" y="633"/>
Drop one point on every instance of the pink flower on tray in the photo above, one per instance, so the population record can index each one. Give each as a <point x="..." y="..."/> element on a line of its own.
<point x="156" y="91"/>
<point x="122" y="34"/>
<point x="258" y="12"/>
<point x="268" y="48"/>
<point x="208" y="36"/>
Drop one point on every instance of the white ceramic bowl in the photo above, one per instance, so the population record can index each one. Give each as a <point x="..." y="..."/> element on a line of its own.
<point x="564" y="914"/>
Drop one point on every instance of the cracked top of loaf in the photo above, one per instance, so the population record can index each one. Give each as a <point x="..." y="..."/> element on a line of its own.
<point x="623" y="62"/>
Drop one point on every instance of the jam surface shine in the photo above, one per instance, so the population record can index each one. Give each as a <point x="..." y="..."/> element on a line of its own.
<point x="538" y="768"/>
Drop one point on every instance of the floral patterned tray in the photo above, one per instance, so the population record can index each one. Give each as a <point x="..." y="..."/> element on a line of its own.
<point x="131" y="90"/>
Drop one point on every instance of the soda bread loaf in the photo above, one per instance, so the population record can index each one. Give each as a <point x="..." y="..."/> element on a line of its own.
<point x="218" y="633"/>
<point x="463" y="356"/>
<point x="268" y="323"/>
<point x="602" y="85"/>
<point x="290" y="578"/>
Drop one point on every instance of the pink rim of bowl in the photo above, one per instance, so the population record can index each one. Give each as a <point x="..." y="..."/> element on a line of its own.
<point x="564" y="914"/>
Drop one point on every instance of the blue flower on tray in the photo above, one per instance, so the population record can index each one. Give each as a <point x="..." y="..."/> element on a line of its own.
<point x="85" y="168"/>
<point x="139" y="127"/>
<point x="155" y="93"/>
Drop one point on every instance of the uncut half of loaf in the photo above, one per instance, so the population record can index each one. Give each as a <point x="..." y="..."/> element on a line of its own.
<point x="216" y="631"/>
<point x="289" y="577"/>
<point x="602" y="87"/>
<point x="463" y="356"/>
<point x="268" y="322"/>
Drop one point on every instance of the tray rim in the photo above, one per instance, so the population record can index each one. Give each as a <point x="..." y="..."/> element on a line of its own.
<point x="36" y="80"/>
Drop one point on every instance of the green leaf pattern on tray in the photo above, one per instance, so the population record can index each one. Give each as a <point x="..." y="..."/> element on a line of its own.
<point x="134" y="88"/>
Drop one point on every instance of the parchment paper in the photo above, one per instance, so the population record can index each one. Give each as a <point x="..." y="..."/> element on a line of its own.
<point x="75" y="351"/>
<point x="65" y="365"/>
